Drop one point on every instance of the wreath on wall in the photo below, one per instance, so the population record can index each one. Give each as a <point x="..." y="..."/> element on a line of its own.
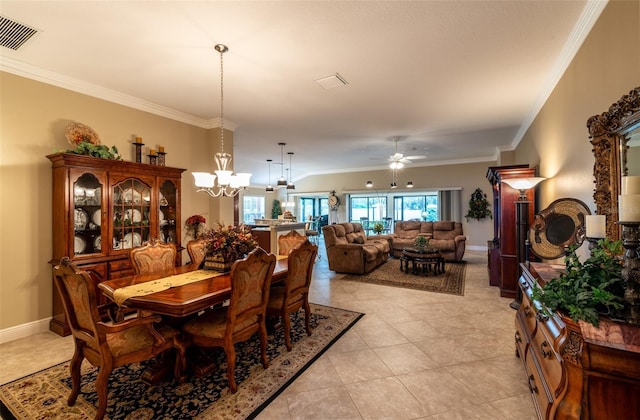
<point x="478" y="206"/>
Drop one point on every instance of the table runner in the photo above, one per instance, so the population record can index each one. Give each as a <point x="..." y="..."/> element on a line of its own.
<point x="153" y="286"/>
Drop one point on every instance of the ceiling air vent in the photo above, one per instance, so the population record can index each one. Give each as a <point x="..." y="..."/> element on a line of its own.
<point x="13" y="34"/>
<point x="333" y="81"/>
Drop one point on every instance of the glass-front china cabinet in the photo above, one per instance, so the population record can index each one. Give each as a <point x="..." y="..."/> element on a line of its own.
<point x="104" y="208"/>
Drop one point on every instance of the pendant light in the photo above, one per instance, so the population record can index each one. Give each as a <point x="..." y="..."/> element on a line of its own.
<point x="282" y="181"/>
<point x="290" y="185"/>
<point x="269" y="187"/>
<point x="229" y="184"/>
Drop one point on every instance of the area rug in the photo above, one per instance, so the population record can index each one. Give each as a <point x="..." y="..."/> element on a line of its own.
<point x="389" y="274"/>
<point x="44" y="394"/>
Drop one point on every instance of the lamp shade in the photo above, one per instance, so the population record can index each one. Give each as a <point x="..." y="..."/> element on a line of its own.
<point x="523" y="183"/>
<point x="204" y="179"/>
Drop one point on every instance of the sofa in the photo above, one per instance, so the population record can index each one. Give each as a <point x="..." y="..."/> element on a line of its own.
<point x="446" y="236"/>
<point x="349" y="250"/>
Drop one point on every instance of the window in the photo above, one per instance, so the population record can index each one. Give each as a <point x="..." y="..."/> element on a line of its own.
<point x="373" y="208"/>
<point x="252" y="208"/>
<point x="416" y="207"/>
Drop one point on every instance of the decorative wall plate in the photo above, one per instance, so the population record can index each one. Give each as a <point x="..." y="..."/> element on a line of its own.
<point x="79" y="245"/>
<point x="80" y="219"/>
<point x="558" y="226"/>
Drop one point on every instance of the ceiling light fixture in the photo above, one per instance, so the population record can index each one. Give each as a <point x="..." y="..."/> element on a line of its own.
<point x="369" y="184"/>
<point x="269" y="187"/>
<point x="282" y="181"/>
<point x="229" y="184"/>
<point x="409" y="184"/>
<point x="290" y="185"/>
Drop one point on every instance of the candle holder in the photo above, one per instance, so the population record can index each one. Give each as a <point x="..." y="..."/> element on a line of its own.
<point x="593" y="242"/>
<point x="631" y="270"/>
<point x="138" y="151"/>
<point x="153" y="159"/>
<point x="161" y="160"/>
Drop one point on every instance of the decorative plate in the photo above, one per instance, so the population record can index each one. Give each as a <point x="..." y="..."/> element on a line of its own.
<point x="131" y="196"/>
<point x="96" y="217"/>
<point x="79" y="245"/>
<point x="80" y="219"/>
<point x="558" y="226"/>
<point x="97" y="243"/>
<point x="76" y="133"/>
<point x="163" y="221"/>
<point x="134" y="215"/>
<point x="131" y="240"/>
<point x="163" y="201"/>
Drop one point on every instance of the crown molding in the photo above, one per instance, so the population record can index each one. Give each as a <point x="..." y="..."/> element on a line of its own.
<point x="45" y="76"/>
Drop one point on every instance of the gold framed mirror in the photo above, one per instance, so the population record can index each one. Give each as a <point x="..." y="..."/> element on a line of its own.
<point x="611" y="134"/>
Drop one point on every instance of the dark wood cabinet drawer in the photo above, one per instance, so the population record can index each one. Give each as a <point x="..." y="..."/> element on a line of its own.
<point x="120" y="265"/>
<point x="542" y="398"/>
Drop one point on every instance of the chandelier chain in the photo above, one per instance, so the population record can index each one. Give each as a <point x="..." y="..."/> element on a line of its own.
<point x="222" y="51"/>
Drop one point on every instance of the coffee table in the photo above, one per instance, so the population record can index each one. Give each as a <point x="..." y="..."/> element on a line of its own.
<point x="423" y="260"/>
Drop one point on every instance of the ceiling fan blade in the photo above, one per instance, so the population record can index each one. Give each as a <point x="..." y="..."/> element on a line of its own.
<point x="416" y="157"/>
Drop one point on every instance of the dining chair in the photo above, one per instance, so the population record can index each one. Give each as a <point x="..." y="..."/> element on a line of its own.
<point x="154" y="257"/>
<point x="106" y="345"/>
<point x="286" y="300"/>
<point x="311" y="229"/>
<point x="289" y="241"/>
<point x="197" y="250"/>
<point x="245" y="315"/>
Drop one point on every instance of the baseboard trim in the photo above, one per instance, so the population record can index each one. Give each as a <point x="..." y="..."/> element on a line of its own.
<point x="477" y="248"/>
<point x="24" y="330"/>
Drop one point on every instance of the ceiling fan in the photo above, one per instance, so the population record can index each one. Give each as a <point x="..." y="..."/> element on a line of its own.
<point x="398" y="160"/>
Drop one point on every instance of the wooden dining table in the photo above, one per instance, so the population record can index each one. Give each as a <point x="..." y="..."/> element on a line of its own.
<point x="177" y="303"/>
<point x="185" y="300"/>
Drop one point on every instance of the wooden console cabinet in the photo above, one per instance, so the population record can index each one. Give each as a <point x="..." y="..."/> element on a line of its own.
<point x="104" y="208"/>
<point x="574" y="370"/>
<point x="503" y="259"/>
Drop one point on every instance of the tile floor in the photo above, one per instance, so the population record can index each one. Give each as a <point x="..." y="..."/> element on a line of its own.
<point x="414" y="355"/>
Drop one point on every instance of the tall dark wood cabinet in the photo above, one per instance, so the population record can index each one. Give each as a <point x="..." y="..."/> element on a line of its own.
<point x="104" y="208"/>
<point x="503" y="258"/>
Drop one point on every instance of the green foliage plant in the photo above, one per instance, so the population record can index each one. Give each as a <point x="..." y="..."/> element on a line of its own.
<point x="421" y="241"/>
<point x="478" y="206"/>
<point x="378" y="228"/>
<point x="96" y="150"/>
<point x="276" y="209"/>
<point x="586" y="290"/>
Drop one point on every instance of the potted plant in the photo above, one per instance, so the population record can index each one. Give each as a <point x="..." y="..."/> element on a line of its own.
<point x="225" y="244"/>
<point x="421" y="241"/>
<point x="586" y="290"/>
<point x="378" y="228"/>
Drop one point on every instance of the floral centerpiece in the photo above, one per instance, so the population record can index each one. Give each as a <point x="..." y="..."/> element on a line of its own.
<point x="194" y="226"/>
<point x="225" y="244"/>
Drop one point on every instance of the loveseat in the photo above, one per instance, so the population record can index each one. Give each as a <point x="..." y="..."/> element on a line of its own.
<point x="446" y="236"/>
<point x="349" y="250"/>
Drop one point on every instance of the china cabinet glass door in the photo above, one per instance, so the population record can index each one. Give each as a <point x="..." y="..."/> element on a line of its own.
<point x="131" y="201"/>
<point x="87" y="214"/>
<point x="167" y="212"/>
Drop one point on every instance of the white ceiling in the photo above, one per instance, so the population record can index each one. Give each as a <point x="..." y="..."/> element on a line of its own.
<point x="456" y="80"/>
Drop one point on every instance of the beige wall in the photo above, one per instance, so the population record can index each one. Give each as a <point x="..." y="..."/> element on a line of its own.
<point x="33" y="119"/>
<point x="606" y="67"/>
<point x="33" y="116"/>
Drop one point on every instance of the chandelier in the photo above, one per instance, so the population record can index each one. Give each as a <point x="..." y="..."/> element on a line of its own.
<point x="282" y="182"/>
<point x="229" y="184"/>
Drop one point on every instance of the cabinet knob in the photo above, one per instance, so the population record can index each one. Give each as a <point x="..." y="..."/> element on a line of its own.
<point x="541" y="317"/>
<point x="518" y="337"/>
<point x="527" y="311"/>
<point x="545" y="350"/>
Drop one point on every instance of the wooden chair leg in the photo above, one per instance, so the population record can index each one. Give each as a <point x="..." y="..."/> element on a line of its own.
<point x="307" y="316"/>
<point x="180" y="367"/>
<point x="263" y="344"/>
<point x="74" y="369"/>
<point x="231" y="366"/>
<point x="102" y="382"/>
<point x="286" y="320"/>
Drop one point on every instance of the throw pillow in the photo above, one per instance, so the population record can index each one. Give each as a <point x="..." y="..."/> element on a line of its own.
<point x="358" y="240"/>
